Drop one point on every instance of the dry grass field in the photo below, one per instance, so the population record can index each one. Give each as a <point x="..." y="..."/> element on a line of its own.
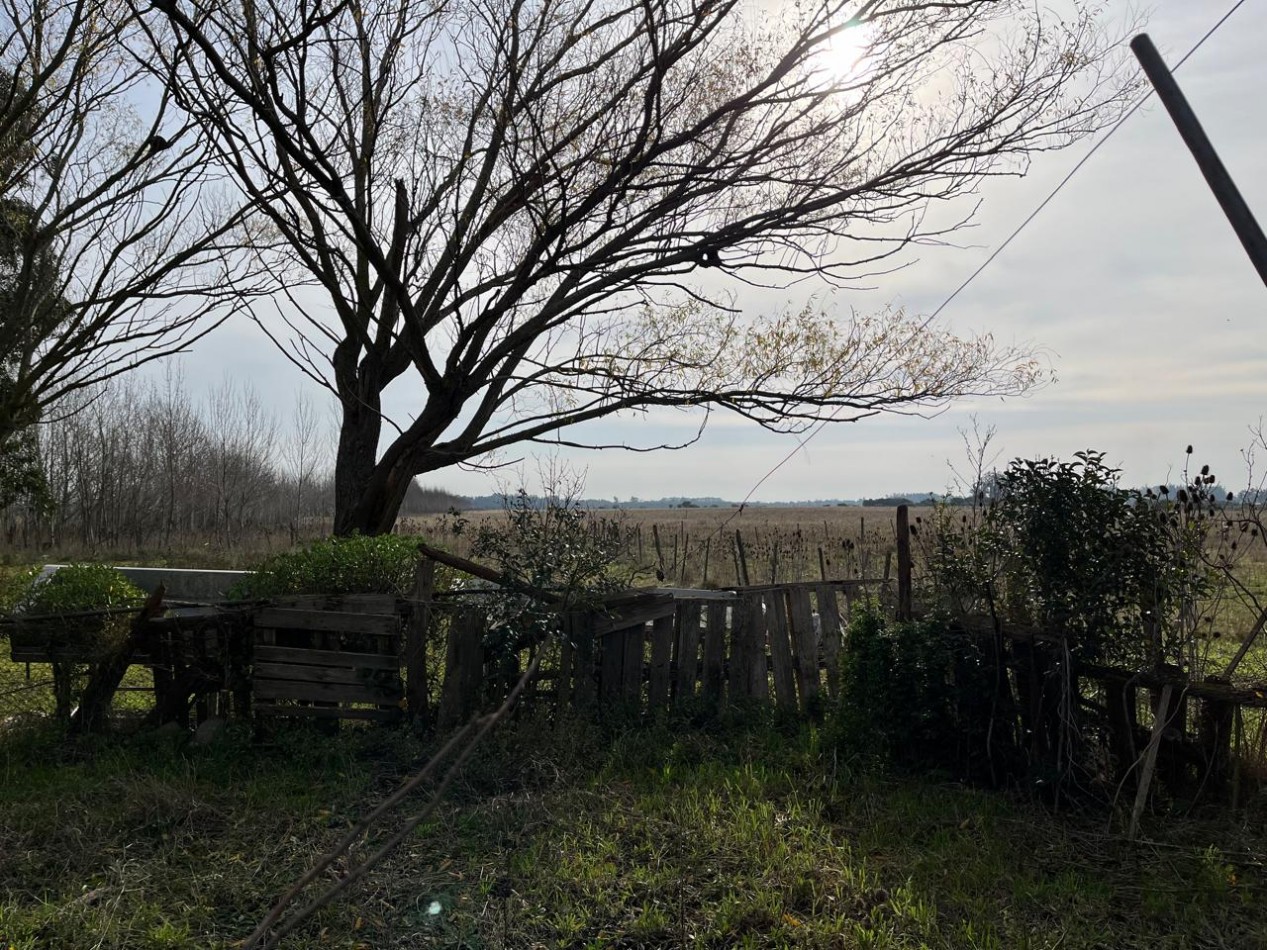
<point x="700" y="547"/>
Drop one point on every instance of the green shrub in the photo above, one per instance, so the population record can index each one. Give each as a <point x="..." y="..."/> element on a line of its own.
<point x="915" y="693"/>
<point x="381" y="564"/>
<point x="14" y="585"/>
<point x="77" y="588"/>
<point x="544" y="546"/>
<point x="1061" y="547"/>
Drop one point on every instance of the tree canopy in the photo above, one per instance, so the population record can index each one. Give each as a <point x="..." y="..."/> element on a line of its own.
<point x="115" y="243"/>
<point x="540" y="214"/>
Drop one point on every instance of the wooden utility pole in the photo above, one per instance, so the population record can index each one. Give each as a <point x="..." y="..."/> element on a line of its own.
<point x="1216" y="175"/>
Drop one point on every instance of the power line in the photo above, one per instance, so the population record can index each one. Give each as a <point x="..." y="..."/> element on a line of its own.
<point x="1073" y="171"/>
<point x="997" y="251"/>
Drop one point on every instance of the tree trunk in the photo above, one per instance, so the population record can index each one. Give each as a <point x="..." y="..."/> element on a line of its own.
<point x="368" y="493"/>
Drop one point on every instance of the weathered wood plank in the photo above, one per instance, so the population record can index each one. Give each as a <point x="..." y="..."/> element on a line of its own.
<point x="463" y="668"/>
<point x="611" y="665"/>
<point x="739" y="672"/>
<point x="353" y="603"/>
<point x="416" y="630"/>
<point x="267" y="689"/>
<point x="334" y="621"/>
<point x="780" y="649"/>
<point x="640" y="614"/>
<point x="632" y="668"/>
<point x="749" y="673"/>
<point x="328" y="712"/>
<point x="297" y="655"/>
<point x="34" y="653"/>
<point x="759" y="669"/>
<point x="687" y="648"/>
<point x="715" y="651"/>
<point x="661" y="658"/>
<point x="829" y="617"/>
<point x="584" y="686"/>
<point x="804" y="646"/>
<point x="327" y="674"/>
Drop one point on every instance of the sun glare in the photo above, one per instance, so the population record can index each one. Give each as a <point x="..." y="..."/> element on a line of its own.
<point x="843" y="54"/>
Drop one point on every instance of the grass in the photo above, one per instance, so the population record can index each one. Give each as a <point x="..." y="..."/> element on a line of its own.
<point x="734" y="834"/>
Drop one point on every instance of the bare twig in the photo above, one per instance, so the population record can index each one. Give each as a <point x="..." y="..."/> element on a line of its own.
<point x="467" y="739"/>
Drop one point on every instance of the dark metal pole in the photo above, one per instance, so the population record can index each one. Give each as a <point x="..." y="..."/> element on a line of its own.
<point x="1216" y="176"/>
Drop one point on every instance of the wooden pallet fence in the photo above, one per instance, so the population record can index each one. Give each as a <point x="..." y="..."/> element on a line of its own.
<point x="328" y="658"/>
<point x="195" y="655"/>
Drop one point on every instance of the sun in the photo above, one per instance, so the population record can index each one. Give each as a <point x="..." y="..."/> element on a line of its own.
<point x="844" y="53"/>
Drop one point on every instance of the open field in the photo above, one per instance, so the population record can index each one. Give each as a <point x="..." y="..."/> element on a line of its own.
<point x="697" y="546"/>
<point x="741" y="834"/>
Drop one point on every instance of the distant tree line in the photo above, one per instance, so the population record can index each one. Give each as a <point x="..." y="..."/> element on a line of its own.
<point x="142" y="466"/>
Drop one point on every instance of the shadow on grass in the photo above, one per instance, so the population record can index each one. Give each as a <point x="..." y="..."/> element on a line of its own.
<point x="739" y="830"/>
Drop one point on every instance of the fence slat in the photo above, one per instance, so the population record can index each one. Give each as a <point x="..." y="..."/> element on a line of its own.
<point x="328" y="620"/>
<point x="715" y="651"/>
<point x="780" y="649"/>
<point x="805" y="646"/>
<point x="739" y="671"/>
<point x="753" y="636"/>
<point x="295" y="688"/>
<point x="416" y="640"/>
<point x="635" y="652"/>
<point x="463" y="668"/>
<point x="371" y="661"/>
<point x="661" y="657"/>
<point x="611" y="673"/>
<point x="327" y="674"/>
<point x="327" y="712"/>
<point x="583" y="689"/>
<point x="829" y="618"/>
<point x="687" y="645"/>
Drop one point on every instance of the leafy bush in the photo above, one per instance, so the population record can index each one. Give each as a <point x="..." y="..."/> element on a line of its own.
<point x="914" y="693"/>
<point x="79" y="587"/>
<point x="14" y="585"/>
<point x="381" y="564"/>
<point x="1061" y="547"/>
<point x="546" y="546"/>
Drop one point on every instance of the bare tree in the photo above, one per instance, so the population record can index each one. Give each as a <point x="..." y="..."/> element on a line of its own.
<point x="525" y="204"/>
<point x="116" y="238"/>
<point x="299" y="452"/>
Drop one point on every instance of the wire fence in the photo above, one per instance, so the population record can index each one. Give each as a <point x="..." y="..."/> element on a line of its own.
<point x="45" y="667"/>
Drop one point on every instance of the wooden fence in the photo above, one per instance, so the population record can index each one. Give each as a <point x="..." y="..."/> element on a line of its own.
<point x="434" y="659"/>
<point x="652" y="651"/>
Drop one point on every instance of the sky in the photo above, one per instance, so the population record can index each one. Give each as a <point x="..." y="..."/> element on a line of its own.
<point x="1131" y="283"/>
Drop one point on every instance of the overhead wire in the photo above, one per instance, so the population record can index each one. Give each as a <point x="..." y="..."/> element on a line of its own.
<point x="815" y="430"/>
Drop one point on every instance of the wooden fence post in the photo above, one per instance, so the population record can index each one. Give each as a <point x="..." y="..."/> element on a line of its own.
<point x="416" y="641"/>
<point x="741" y="561"/>
<point x="1150" y="761"/>
<point x="1214" y="733"/>
<point x="903" y="563"/>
